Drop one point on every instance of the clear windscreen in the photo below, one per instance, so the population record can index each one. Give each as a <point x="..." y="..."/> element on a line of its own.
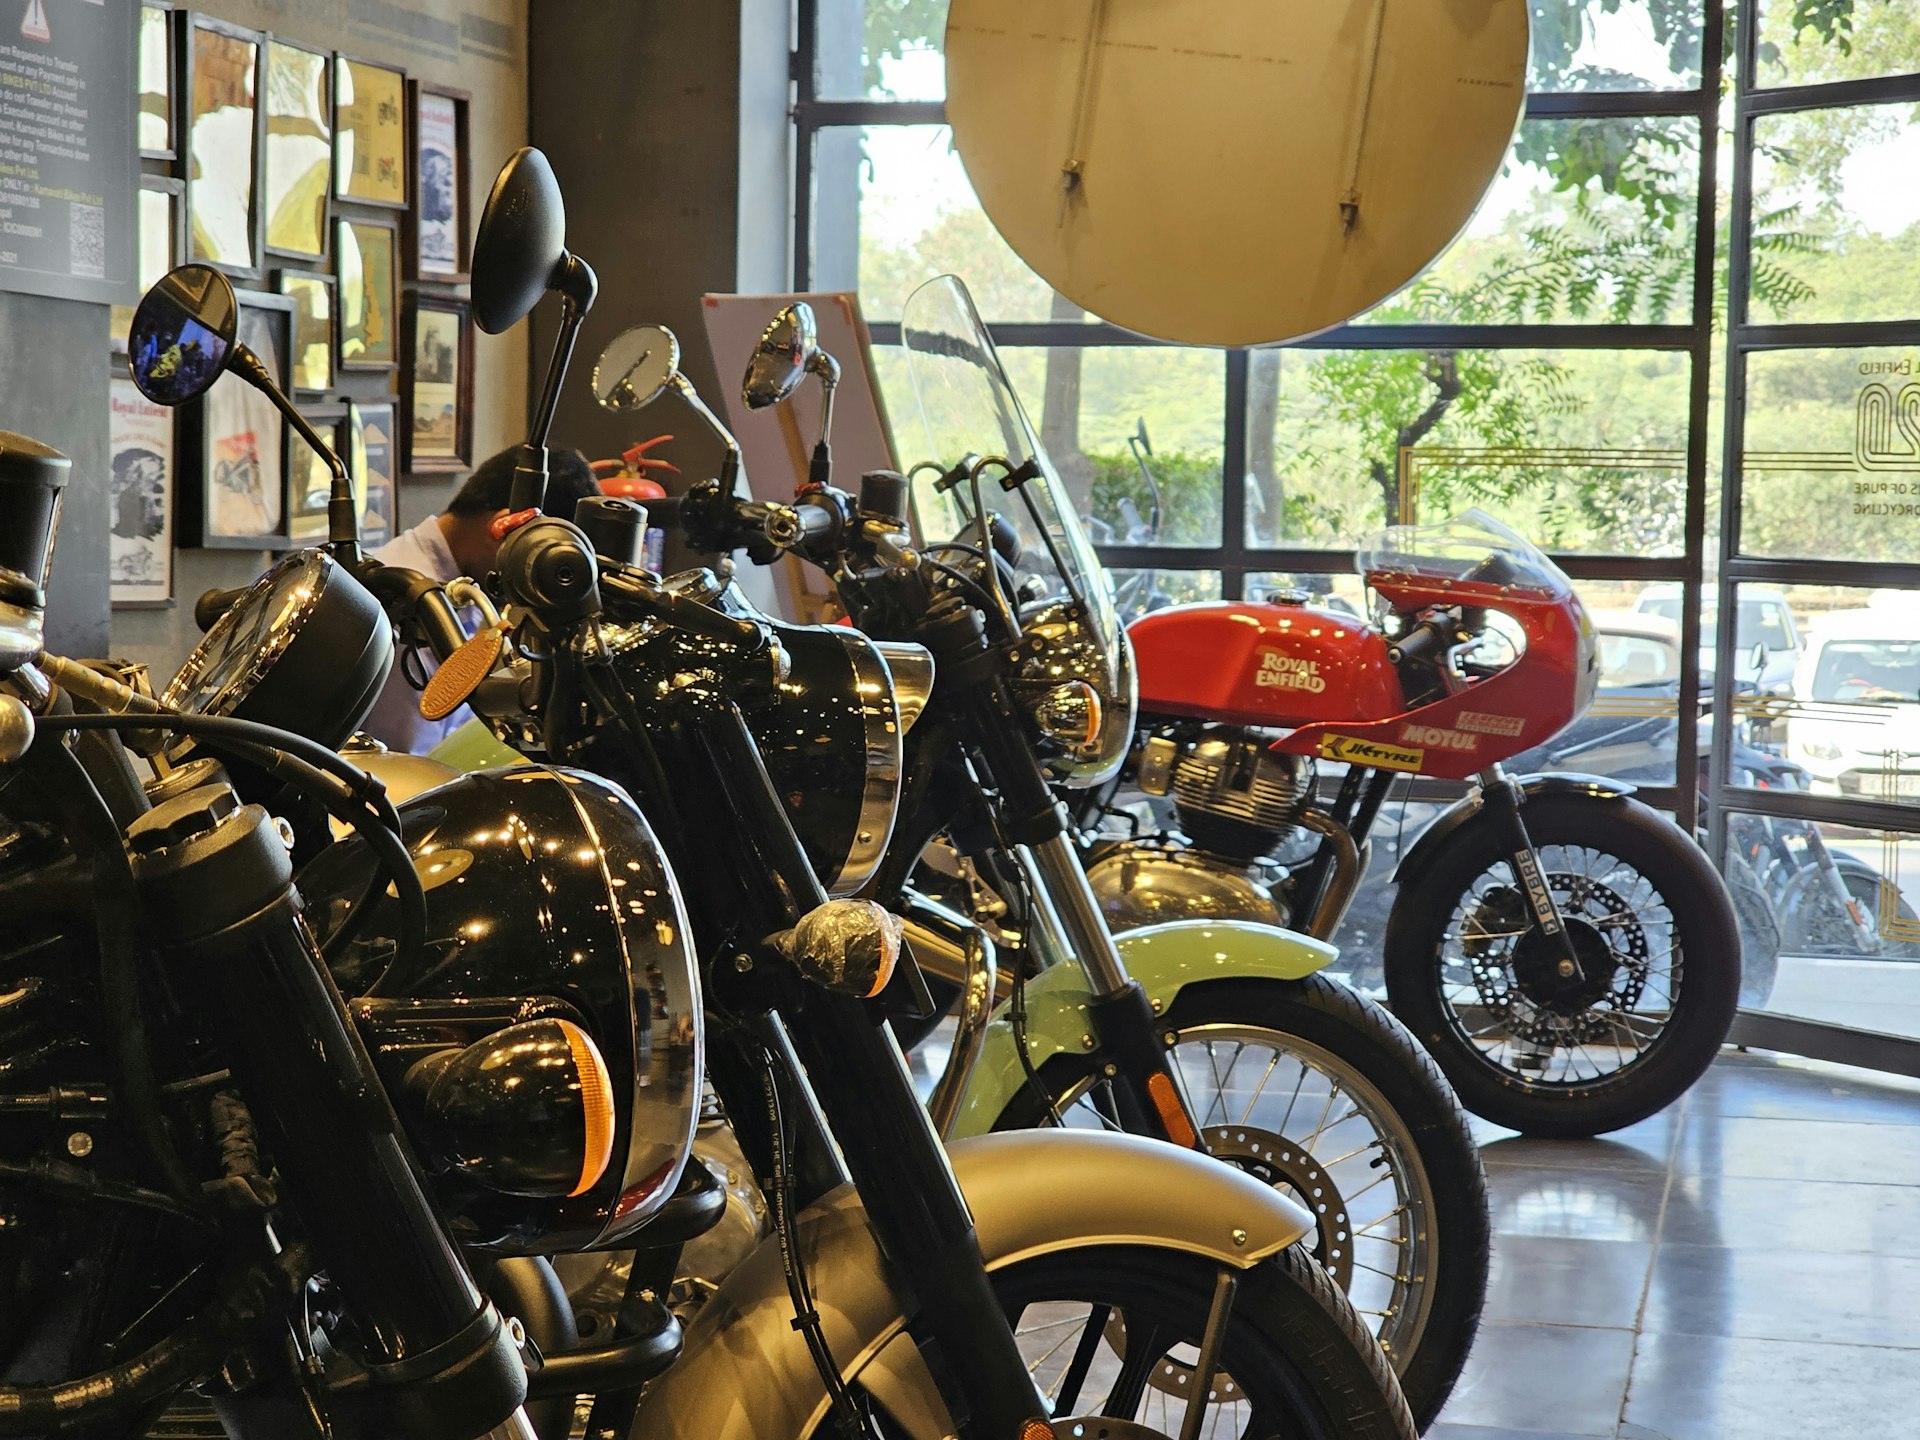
<point x="963" y="405"/>
<point x="1472" y="547"/>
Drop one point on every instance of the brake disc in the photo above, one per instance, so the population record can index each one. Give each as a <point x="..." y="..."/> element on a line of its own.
<point x="1279" y="1162"/>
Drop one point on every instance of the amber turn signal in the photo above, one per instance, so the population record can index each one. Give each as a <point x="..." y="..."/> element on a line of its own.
<point x="528" y="1110"/>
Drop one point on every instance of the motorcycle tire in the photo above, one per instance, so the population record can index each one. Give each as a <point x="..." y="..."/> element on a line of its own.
<point x="1643" y="852"/>
<point x="1427" y="1326"/>
<point x="1297" y="1361"/>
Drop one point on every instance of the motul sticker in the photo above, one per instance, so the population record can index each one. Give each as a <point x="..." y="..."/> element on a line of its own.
<point x="1288" y="672"/>
<point x="1490" y="724"/>
<point x="1435" y="736"/>
<point x="1352" y="750"/>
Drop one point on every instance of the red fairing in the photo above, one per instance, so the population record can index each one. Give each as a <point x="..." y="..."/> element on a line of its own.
<point x="1265" y="664"/>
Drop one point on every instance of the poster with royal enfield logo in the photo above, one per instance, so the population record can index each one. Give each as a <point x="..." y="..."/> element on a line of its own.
<point x="67" y="163"/>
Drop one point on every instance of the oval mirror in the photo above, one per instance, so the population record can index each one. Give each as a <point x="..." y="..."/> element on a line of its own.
<point x="780" y="360"/>
<point x="635" y="368"/>
<point x="182" y="334"/>
<point x="522" y="239"/>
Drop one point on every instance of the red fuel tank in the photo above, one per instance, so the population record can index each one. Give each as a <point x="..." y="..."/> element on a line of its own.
<point x="1263" y="663"/>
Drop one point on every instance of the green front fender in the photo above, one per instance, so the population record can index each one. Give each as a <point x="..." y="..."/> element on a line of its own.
<point x="1165" y="959"/>
<point x="473" y="747"/>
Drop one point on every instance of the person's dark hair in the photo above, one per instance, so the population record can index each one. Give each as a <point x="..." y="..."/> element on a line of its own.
<point x="569" y="478"/>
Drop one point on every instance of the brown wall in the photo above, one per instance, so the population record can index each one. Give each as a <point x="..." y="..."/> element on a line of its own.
<point x="476" y="45"/>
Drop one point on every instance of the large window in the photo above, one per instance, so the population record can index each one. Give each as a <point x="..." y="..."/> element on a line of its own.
<point x="1678" y="345"/>
<point x="1551" y="367"/>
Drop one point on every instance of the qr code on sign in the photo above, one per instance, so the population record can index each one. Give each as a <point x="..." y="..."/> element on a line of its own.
<point x="87" y="242"/>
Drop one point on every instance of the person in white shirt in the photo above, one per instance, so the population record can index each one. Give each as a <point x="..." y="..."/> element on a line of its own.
<point x="460" y="541"/>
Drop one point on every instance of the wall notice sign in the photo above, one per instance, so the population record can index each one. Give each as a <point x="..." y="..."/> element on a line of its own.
<point x="67" y="165"/>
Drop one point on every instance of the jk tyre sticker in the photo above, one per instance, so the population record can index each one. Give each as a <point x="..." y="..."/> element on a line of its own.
<point x="1354" y="751"/>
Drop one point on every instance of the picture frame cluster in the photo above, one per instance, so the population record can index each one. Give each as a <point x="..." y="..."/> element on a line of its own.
<point x="334" y="191"/>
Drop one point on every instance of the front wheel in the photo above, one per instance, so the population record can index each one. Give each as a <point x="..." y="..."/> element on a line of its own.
<point x="1478" y="981"/>
<point x="1113" y="1334"/>
<point x="1321" y="1093"/>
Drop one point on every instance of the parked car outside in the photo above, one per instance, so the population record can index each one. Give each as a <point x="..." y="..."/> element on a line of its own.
<point x="1856" y="719"/>
<point x="1765" y="619"/>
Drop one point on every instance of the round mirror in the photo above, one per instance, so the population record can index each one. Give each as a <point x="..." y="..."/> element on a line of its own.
<point x="635" y="368"/>
<point x="522" y="239"/>
<point x="780" y="360"/>
<point x="182" y="334"/>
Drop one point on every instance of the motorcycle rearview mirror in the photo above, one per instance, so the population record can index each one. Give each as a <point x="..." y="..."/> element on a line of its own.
<point x="519" y="254"/>
<point x="185" y="336"/>
<point x="641" y="363"/>
<point x="635" y="367"/>
<point x="1140" y="434"/>
<point x="789" y="351"/>
<point x="1757" y="658"/>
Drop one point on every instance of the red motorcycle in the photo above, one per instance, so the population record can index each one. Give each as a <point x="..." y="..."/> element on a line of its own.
<point x="1569" y="956"/>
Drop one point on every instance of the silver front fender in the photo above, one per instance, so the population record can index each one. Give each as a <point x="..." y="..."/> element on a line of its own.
<point x="746" y="1373"/>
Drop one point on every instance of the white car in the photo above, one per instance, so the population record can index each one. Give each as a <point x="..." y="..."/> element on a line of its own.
<point x="1856" y="718"/>
<point x="1765" y="619"/>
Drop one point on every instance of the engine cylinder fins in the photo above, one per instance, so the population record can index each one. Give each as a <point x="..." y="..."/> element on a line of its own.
<point x="1236" y="797"/>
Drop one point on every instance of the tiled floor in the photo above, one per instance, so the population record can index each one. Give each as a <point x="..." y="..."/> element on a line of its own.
<point x="1746" y="1264"/>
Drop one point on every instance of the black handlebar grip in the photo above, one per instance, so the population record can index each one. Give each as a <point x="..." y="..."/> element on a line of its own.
<point x="212" y="604"/>
<point x="1422" y="642"/>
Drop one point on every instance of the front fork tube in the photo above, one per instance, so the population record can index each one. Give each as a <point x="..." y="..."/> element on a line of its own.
<point x="1147" y="1087"/>
<point x="1502" y="800"/>
<point x="912" y="1199"/>
<point x="216" y="879"/>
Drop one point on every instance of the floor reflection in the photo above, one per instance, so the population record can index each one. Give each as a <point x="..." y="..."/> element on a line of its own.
<point x="1741" y="1265"/>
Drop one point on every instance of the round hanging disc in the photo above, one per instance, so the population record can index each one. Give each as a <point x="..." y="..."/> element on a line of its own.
<point x="1233" y="172"/>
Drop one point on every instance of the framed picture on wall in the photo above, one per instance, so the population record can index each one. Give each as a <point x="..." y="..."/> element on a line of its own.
<point x="313" y="310"/>
<point x="299" y="150"/>
<point x="153" y="97"/>
<point x="223" y="144"/>
<point x="140" y="563"/>
<point x="371" y="446"/>
<point x="310" y="480"/>
<point x="437" y="386"/>
<point x="438" y="223"/>
<point x="157" y="246"/>
<point x="240" y="478"/>
<point x="365" y="252"/>
<point x="370" y="133"/>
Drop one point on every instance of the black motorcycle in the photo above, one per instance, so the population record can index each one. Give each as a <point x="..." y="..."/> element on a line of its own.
<point x="874" y="1309"/>
<point x="1216" y="1036"/>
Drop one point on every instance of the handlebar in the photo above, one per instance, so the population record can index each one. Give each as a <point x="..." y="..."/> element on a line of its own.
<point x="1426" y="640"/>
<point x="679" y="610"/>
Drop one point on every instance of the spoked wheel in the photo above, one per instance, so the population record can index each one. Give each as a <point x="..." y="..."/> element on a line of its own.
<point x="1120" y="1336"/>
<point x="1322" y="1094"/>
<point x="1528" y="1046"/>
<point x="1117" y="1337"/>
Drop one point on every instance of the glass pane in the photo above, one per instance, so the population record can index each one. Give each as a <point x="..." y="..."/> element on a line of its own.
<point x="1616" y="45"/>
<point x="1829" y="920"/>
<point x="1831" y="455"/>
<point x="893" y="208"/>
<point x="881" y="49"/>
<point x="1590" y="220"/>
<point x="1147" y="435"/>
<point x="1835" y="235"/>
<point x="1135" y="592"/>
<point x="1805" y="43"/>
<point x="1088" y="405"/>
<point x="1578" y="450"/>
